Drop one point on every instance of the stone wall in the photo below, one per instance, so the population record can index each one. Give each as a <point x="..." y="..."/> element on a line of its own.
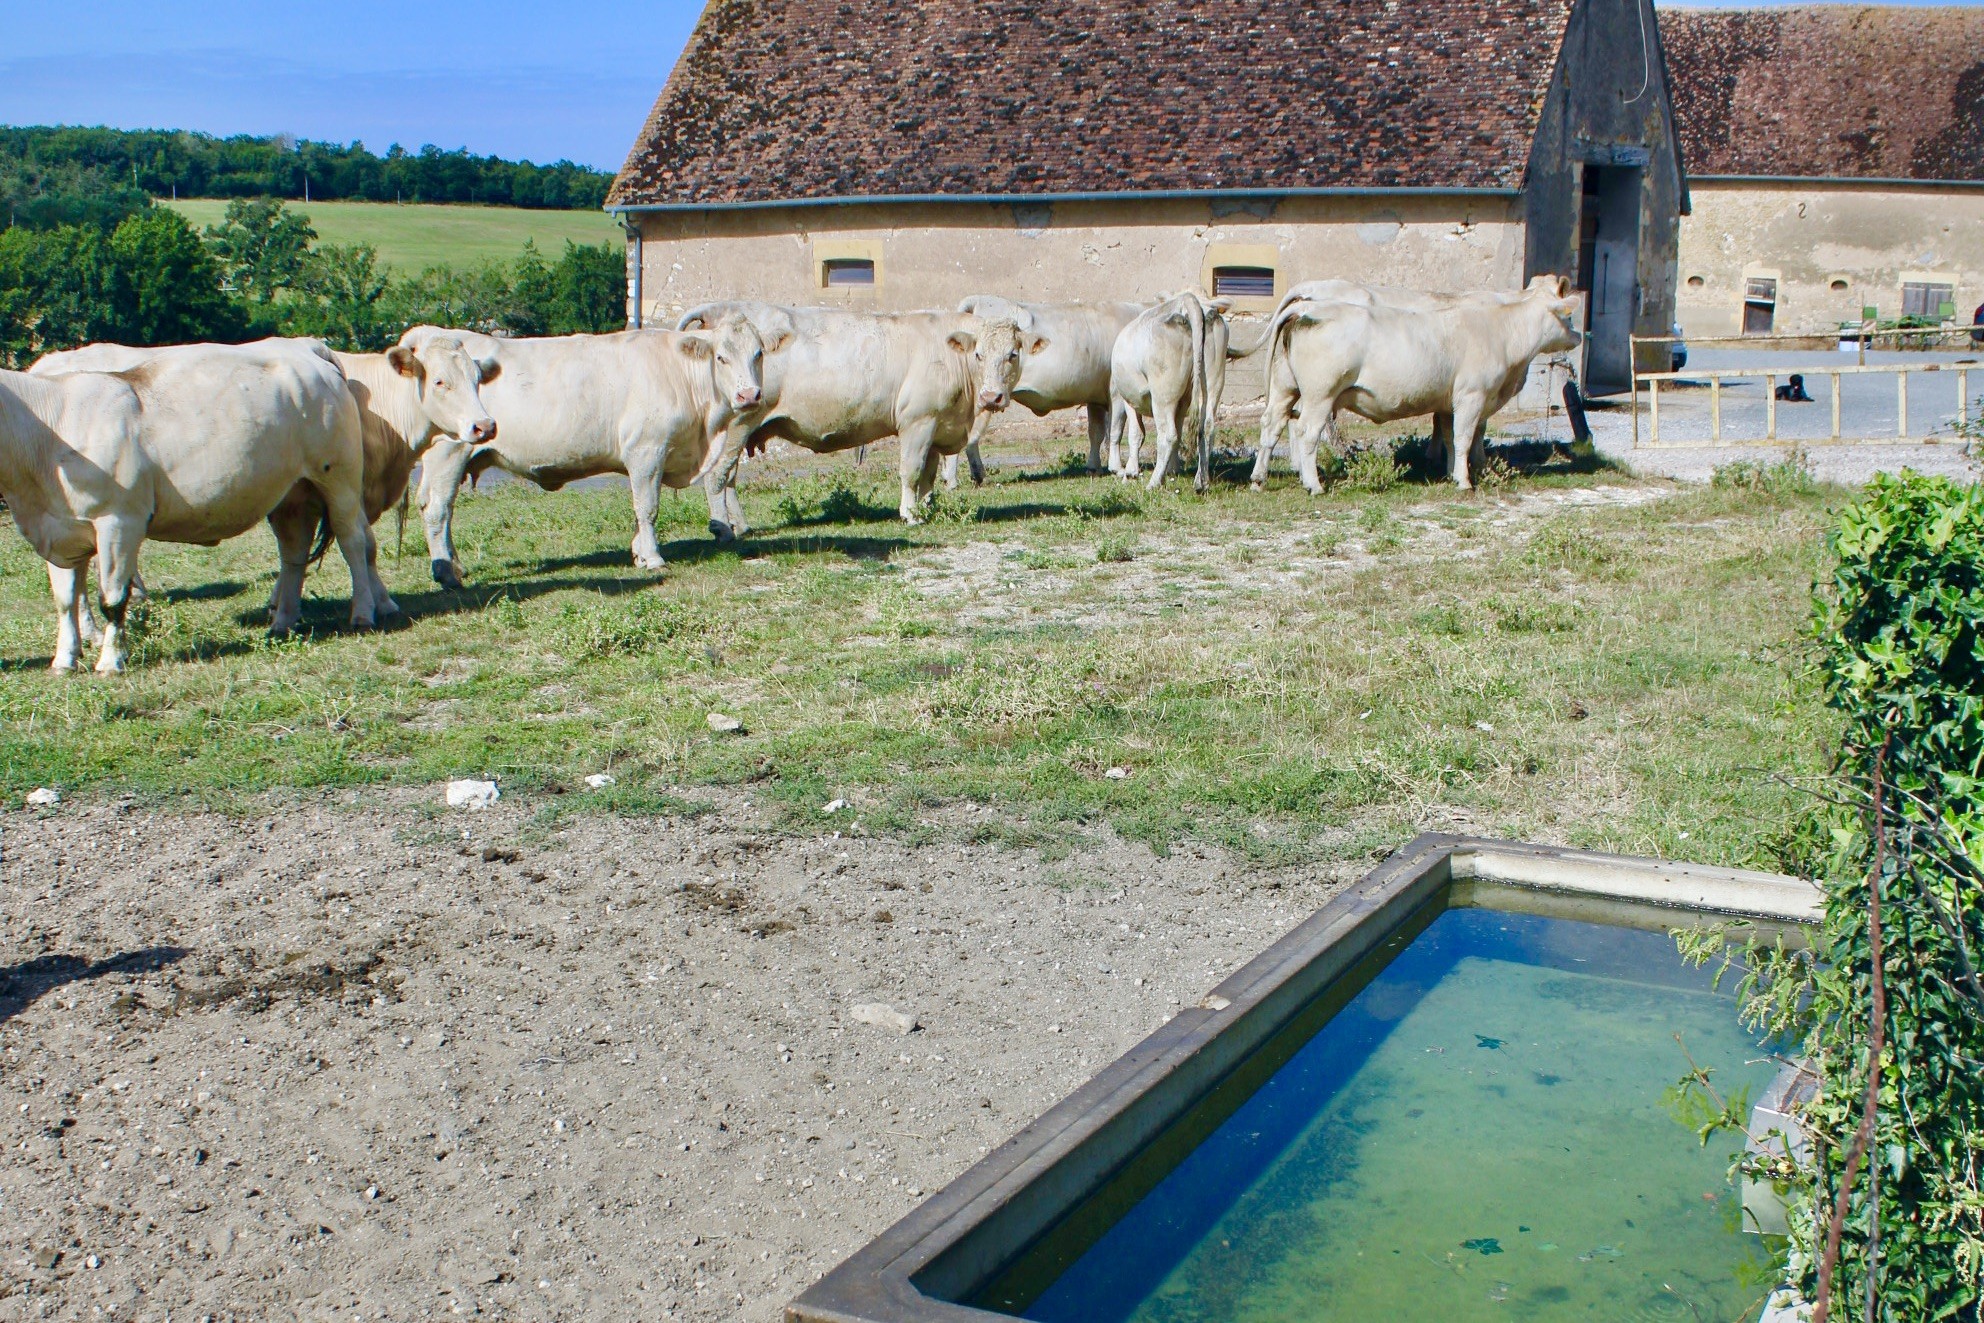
<point x="930" y="255"/>
<point x="1832" y="248"/>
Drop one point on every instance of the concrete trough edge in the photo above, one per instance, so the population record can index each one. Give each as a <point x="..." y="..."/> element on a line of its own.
<point x="992" y="1212"/>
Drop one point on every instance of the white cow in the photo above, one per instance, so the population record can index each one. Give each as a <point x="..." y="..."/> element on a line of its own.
<point x="1168" y="364"/>
<point x="195" y="445"/>
<point x="1461" y="362"/>
<point x="1064" y="364"/>
<point x="1367" y="296"/>
<point x="844" y="379"/>
<point x="649" y="404"/>
<point x="405" y="396"/>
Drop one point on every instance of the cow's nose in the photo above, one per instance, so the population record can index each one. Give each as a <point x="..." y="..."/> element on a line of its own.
<point x="991" y="399"/>
<point x="748" y="396"/>
<point x="483" y="432"/>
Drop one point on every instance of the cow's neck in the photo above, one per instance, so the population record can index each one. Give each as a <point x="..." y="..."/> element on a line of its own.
<point x="392" y="398"/>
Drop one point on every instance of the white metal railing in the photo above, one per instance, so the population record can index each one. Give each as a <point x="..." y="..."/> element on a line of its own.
<point x="1770" y="377"/>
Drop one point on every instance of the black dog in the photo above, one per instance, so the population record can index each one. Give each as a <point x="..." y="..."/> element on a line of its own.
<point x="1794" y="391"/>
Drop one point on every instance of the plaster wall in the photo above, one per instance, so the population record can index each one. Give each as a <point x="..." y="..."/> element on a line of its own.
<point x="1833" y="248"/>
<point x="930" y="255"/>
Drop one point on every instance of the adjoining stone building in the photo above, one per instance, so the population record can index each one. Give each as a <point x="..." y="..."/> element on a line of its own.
<point x="1835" y="158"/>
<point x="896" y="154"/>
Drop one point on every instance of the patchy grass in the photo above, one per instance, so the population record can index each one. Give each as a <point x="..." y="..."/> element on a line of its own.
<point x="1573" y="656"/>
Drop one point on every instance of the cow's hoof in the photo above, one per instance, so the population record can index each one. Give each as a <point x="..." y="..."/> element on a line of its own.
<point x="387" y="608"/>
<point x="446" y="574"/>
<point x="721" y="531"/>
<point x="61" y="667"/>
<point x="649" y="563"/>
<point x="108" y="665"/>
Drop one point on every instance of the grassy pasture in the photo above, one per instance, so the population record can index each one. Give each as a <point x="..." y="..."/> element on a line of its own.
<point x="415" y="236"/>
<point x="1573" y="655"/>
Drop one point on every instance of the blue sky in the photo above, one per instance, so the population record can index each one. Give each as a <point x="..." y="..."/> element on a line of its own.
<point x="507" y="77"/>
<point x="541" y="81"/>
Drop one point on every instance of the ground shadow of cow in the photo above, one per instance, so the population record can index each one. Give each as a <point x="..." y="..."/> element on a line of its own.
<point x="23" y="984"/>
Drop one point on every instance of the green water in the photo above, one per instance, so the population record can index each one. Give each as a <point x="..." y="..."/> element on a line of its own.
<point x="1479" y="1135"/>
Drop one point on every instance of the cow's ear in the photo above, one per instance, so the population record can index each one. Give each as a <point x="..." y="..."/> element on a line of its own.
<point x="1220" y="306"/>
<point x="488" y="369"/>
<point x="962" y="341"/>
<point x="693" y="322"/>
<point x="777" y="340"/>
<point x="405" y="362"/>
<point x="1037" y="345"/>
<point x="695" y="346"/>
<point x="1563" y="287"/>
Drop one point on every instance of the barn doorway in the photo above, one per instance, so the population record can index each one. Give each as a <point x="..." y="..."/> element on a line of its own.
<point x="1608" y="274"/>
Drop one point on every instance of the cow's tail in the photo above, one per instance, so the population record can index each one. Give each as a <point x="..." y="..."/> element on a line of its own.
<point x="399" y="520"/>
<point x="1196" y="312"/>
<point x="323" y="543"/>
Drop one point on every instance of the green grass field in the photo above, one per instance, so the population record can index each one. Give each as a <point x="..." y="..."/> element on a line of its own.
<point x="1573" y="656"/>
<point x="416" y="236"/>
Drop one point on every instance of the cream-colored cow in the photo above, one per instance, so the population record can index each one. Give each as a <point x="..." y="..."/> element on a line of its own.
<point x="1169" y="365"/>
<point x="1460" y="362"/>
<point x="843" y="379"/>
<point x="1064" y="364"/>
<point x="649" y="404"/>
<point x="406" y="397"/>
<point x="195" y="445"/>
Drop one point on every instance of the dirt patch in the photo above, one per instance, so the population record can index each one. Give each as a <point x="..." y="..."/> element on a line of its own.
<point x="359" y="1059"/>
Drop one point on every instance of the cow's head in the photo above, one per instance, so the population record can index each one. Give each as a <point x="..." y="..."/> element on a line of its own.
<point x="736" y="352"/>
<point x="994" y="345"/>
<point x="1564" y="307"/>
<point x="448" y="378"/>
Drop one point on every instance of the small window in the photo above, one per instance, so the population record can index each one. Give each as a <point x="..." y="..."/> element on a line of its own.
<point x="1696" y="282"/>
<point x="1759" y="305"/>
<point x="1837" y="287"/>
<point x="1243" y="282"/>
<point x="838" y="271"/>
<point x="1925" y="300"/>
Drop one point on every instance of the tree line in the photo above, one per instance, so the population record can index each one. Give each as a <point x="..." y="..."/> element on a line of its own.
<point x="145" y="276"/>
<point x="41" y="163"/>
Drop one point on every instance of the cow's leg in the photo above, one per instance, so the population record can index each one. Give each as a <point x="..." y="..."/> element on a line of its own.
<point x="1467" y="419"/>
<point x="918" y="467"/>
<point x="1305" y="437"/>
<point x="71" y="602"/>
<point x="1099" y="427"/>
<point x="294" y="523"/>
<point x="345" y="503"/>
<point x="441" y="471"/>
<point x="979" y="426"/>
<point x="948" y="471"/>
<point x="1167" y="419"/>
<point x="1115" y="433"/>
<point x="644" y="467"/>
<point x="117" y="542"/>
<point x="719" y="497"/>
<point x="1277" y="412"/>
<point x="1438" y="449"/>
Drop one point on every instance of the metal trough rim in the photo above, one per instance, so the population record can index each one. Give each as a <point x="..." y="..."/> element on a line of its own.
<point x="1005" y="1200"/>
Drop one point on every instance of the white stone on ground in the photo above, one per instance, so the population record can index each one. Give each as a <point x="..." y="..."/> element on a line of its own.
<point x="472" y="794"/>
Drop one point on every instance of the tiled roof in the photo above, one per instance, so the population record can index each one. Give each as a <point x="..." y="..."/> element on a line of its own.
<point x="778" y="100"/>
<point x="1829" y="91"/>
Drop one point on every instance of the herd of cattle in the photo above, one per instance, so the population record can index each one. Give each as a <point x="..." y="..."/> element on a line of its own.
<point x="106" y="446"/>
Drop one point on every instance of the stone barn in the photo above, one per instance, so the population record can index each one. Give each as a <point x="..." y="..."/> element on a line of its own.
<point x="1835" y="154"/>
<point x="897" y="154"/>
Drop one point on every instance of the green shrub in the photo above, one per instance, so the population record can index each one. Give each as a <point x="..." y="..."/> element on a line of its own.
<point x="629" y="624"/>
<point x="1116" y="548"/>
<point x="1899" y="631"/>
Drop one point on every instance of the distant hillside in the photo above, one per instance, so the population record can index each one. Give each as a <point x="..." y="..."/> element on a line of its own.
<point x="413" y="238"/>
<point x="197" y="165"/>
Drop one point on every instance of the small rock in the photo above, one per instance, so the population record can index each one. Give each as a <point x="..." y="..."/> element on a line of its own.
<point x="1118" y="774"/>
<point x="45" y="1257"/>
<point x="883" y="1016"/>
<point x="93" y="1262"/>
<point x="600" y="780"/>
<point x="472" y="794"/>
<point x="833" y="806"/>
<point x="723" y="723"/>
<point x="46" y="797"/>
<point x="1484" y="727"/>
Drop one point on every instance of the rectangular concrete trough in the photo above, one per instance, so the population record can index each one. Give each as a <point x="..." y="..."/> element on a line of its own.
<point x="1072" y="1173"/>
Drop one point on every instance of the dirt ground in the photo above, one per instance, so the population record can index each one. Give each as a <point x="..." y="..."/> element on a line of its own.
<point x="367" y="1058"/>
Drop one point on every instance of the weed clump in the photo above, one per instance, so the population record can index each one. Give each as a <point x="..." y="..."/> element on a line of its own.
<point x="1790" y="476"/>
<point x="1115" y="549"/>
<point x="832" y="498"/>
<point x="626" y="626"/>
<point x="1372" y="470"/>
